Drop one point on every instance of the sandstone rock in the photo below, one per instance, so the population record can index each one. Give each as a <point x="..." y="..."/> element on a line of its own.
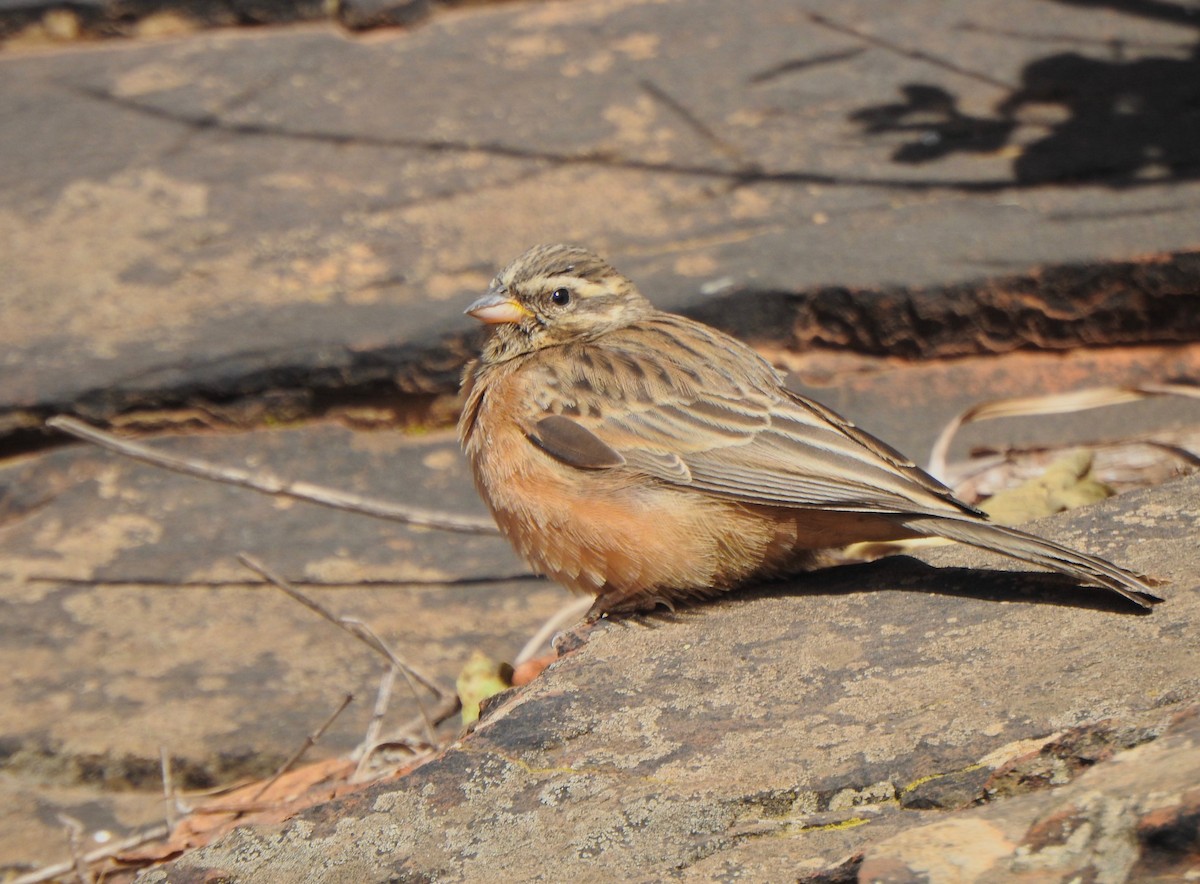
<point x="772" y="734"/>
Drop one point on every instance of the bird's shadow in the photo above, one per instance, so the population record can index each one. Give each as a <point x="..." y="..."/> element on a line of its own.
<point x="909" y="575"/>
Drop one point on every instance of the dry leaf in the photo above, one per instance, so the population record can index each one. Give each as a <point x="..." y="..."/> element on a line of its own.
<point x="481" y="678"/>
<point x="526" y="672"/>
<point x="291" y="793"/>
<point x="1066" y="484"/>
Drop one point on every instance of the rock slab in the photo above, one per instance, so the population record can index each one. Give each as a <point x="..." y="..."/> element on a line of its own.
<point x="774" y="734"/>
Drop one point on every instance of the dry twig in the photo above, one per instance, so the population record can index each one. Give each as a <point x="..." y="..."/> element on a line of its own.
<point x="75" y="836"/>
<point x="164" y="761"/>
<point x="217" y="583"/>
<point x="267" y="483"/>
<point x="108" y="851"/>
<point x="445" y="708"/>
<point x="356" y="628"/>
<point x="564" y="616"/>
<point x="309" y="741"/>
<point x="1056" y="403"/>
<point x="382" y="697"/>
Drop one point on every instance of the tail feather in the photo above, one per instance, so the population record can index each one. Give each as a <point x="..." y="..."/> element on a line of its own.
<point x="1037" y="551"/>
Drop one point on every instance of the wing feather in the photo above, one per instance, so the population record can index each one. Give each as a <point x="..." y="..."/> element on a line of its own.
<point x="727" y="425"/>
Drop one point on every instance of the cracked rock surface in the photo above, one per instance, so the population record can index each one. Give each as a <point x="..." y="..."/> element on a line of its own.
<point x="248" y="229"/>
<point x="238" y="210"/>
<point x="774" y="734"/>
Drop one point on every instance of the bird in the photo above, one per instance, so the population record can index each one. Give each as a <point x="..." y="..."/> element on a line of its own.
<point x="648" y="459"/>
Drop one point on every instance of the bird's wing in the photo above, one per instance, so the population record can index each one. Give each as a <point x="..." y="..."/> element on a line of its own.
<point x="717" y="420"/>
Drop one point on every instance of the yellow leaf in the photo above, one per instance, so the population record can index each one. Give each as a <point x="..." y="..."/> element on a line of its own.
<point x="480" y="678"/>
<point x="1065" y="484"/>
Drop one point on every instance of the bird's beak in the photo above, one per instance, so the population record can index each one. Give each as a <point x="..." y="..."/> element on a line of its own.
<point x="496" y="308"/>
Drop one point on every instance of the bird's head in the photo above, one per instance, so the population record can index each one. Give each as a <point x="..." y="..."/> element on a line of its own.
<point x="553" y="295"/>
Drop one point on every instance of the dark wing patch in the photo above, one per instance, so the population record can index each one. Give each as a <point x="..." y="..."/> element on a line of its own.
<point x="565" y="440"/>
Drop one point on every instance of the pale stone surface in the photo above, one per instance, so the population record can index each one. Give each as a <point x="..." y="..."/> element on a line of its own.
<point x="801" y="715"/>
<point x="252" y="227"/>
<point x="129" y="624"/>
<point x="233" y="211"/>
<point x="1131" y="818"/>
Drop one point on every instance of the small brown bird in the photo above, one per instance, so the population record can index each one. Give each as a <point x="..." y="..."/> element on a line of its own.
<point x="648" y="459"/>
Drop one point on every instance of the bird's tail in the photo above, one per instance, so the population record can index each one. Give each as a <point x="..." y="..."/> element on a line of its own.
<point x="1035" y="550"/>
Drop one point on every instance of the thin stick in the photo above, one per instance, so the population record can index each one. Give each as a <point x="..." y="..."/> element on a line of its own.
<point x="447" y="706"/>
<point x="309" y="742"/>
<point x="356" y="628"/>
<point x="382" y="696"/>
<point x="568" y="613"/>
<point x="75" y="835"/>
<point x="368" y="635"/>
<point x="266" y="483"/>
<point x="161" y="582"/>
<point x="164" y="762"/>
<point x="411" y="676"/>
<point x="1047" y="404"/>
<point x="49" y="873"/>
<point x="371" y="737"/>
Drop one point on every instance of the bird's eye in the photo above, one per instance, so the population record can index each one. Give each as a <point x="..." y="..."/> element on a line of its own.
<point x="561" y="297"/>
